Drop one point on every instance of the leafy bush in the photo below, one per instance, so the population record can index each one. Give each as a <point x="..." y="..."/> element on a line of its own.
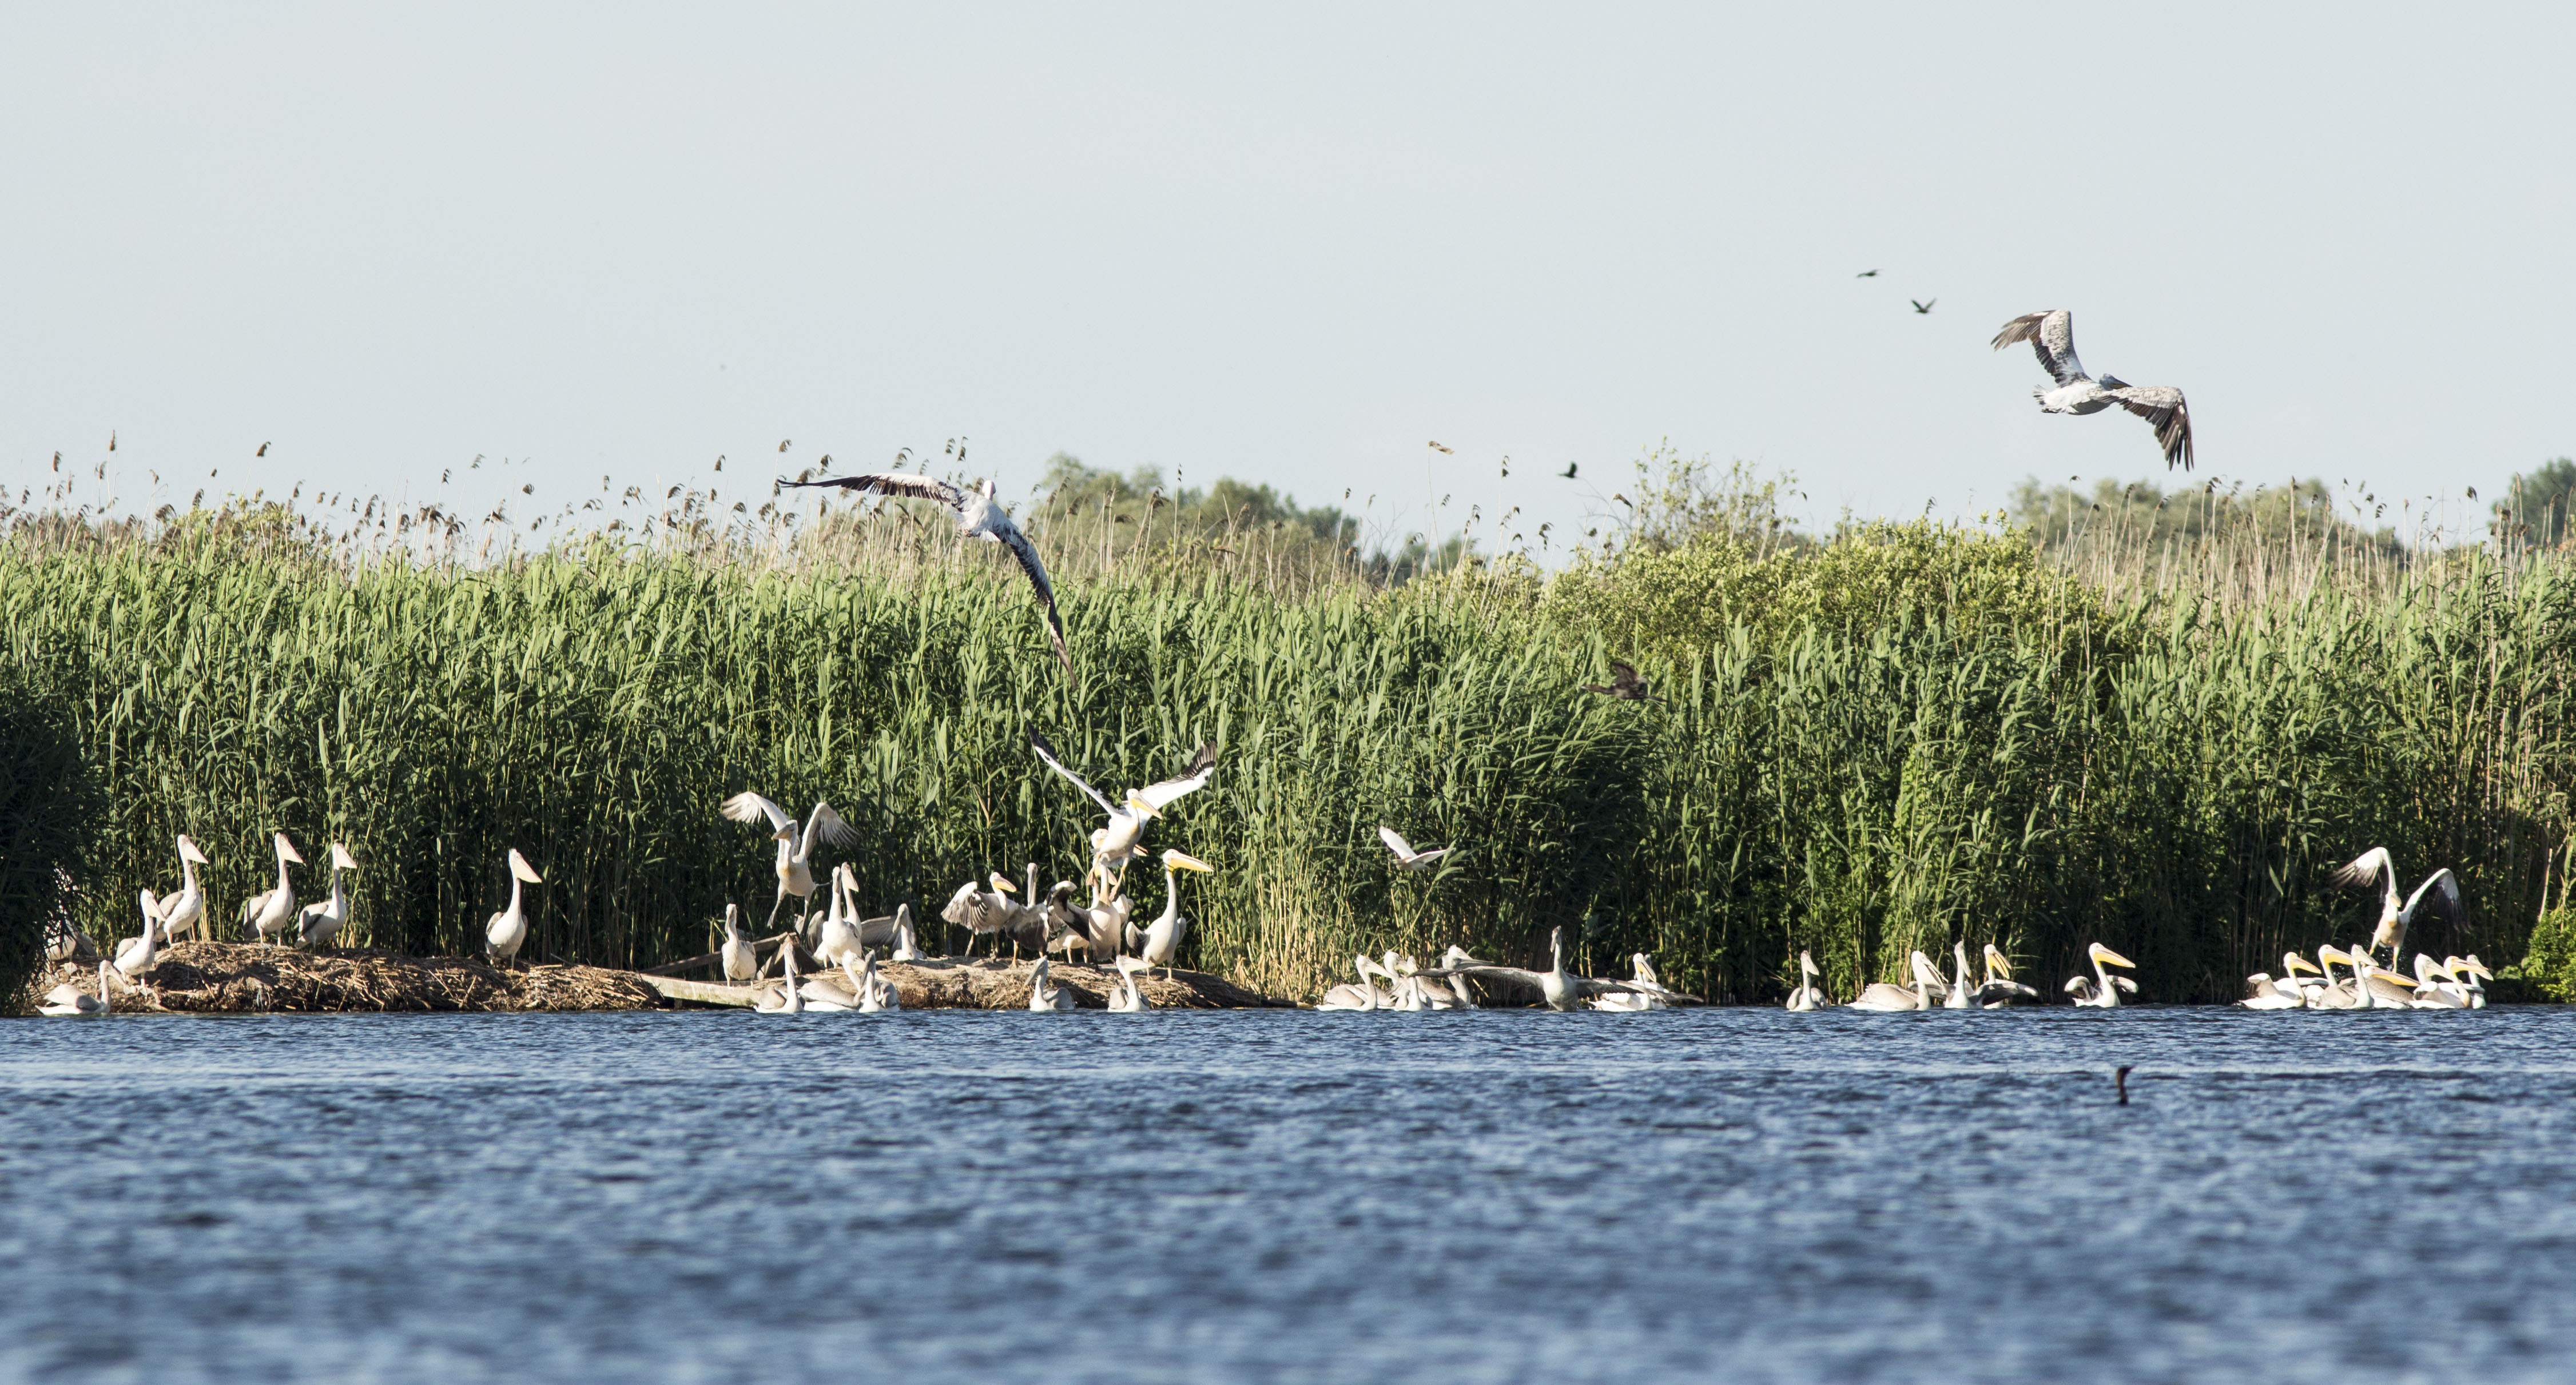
<point x="46" y="809"/>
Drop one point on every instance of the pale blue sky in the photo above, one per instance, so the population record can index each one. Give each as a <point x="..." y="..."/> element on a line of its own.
<point x="1293" y="248"/>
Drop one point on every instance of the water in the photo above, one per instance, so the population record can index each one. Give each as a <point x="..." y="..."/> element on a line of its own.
<point x="1492" y="1196"/>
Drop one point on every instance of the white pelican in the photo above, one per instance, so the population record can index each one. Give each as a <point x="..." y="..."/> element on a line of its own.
<point x="2437" y="987"/>
<point x="882" y="930"/>
<point x="1161" y="941"/>
<point x="1883" y="997"/>
<point x="1122" y="839"/>
<point x="1127" y="999"/>
<point x="2262" y="994"/>
<point x="795" y="844"/>
<point x="2473" y="975"/>
<point x="270" y="912"/>
<point x="981" y="911"/>
<point x="1362" y="996"/>
<point x="1806" y="997"/>
<point x="506" y="930"/>
<point x="2441" y="891"/>
<point x="741" y="959"/>
<point x="1097" y="928"/>
<point x="2101" y="991"/>
<point x="1960" y="996"/>
<point x="1561" y="989"/>
<point x="786" y="999"/>
<point x="2384" y="989"/>
<point x="2336" y="995"/>
<point x="824" y="995"/>
<point x="2052" y="335"/>
<point x="979" y="515"/>
<point x="320" y="923"/>
<point x="1406" y="858"/>
<point x="1999" y="989"/>
<point x="840" y="935"/>
<point x="907" y="948"/>
<point x="1648" y="995"/>
<point x="185" y="912"/>
<point x="1044" y="994"/>
<point x="135" y="956"/>
<point x="68" y="1001"/>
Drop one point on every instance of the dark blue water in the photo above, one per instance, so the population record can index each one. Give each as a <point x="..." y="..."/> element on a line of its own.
<point x="1491" y="1196"/>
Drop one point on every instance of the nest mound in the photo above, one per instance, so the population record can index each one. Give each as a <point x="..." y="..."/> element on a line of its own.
<point x="242" y="978"/>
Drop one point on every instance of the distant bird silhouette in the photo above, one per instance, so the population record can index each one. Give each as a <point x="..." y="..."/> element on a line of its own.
<point x="783" y="443"/>
<point x="111" y="439"/>
<point x="2052" y="335"/>
<point x="1568" y="473"/>
<point x="1866" y="274"/>
<point x="1923" y="307"/>
<point x="1437" y="447"/>
<point x="262" y="452"/>
<point x="1624" y="685"/>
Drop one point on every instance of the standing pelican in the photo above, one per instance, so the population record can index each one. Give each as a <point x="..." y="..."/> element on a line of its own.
<point x="2102" y="990"/>
<point x="795" y="844"/>
<point x="1406" y="858"/>
<point x="1161" y="942"/>
<point x="506" y="930"/>
<point x="980" y="911"/>
<point x="1561" y="989"/>
<point x="2440" y="890"/>
<point x="840" y="936"/>
<point x="136" y="956"/>
<point x="741" y="960"/>
<point x="320" y="923"/>
<point x="979" y="515"/>
<point x="269" y="912"/>
<point x="1883" y="997"/>
<point x="1127" y="999"/>
<point x="68" y="1001"/>
<point x="2052" y="335"/>
<point x="1122" y="839"/>
<point x="1807" y="997"/>
<point x="1044" y="994"/>
<point x="185" y="912"/>
<point x="786" y="999"/>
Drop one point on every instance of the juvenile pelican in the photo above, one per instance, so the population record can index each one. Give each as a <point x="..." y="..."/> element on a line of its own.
<point x="1999" y="989"/>
<point x="2440" y="891"/>
<point x="135" y="956"/>
<point x="185" y="912"/>
<point x="1361" y="996"/>
<point x="2102" y="990"/>
<point x="1648" y="995"/>
<point x="1161" y="942"/>
<point x="1882" y="997"/>
<point x="320" y="923"/>
<point x="979" y="515"/>
<point x="1044" y="994"/>
<point x="68" y="1001"/>
<point x="2052" y="335"/>
<point x="786" y="999"/>
<point x="741" y="960"/>
<point x="1122" y="839"/>
<point x="795" y="844"/>
<point x="270" y="912"/>
<point x="506" y="930"/>
<point x="1561" y="989"/>
<point x="1127" y="999"/>
<point x="1807" y="997"/>
<point x="1406" y="858"/>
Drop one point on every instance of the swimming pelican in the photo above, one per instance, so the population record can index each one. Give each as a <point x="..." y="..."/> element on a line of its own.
<point x="1406" y="858"/>
<point x="979" y="515"/>
<point x="1561" y="989"/>
<point x="135" y="956"/>
<point x="68" y="1001"/>
<point x="185" y="912"/>
<point x="2387" y="990"/>
<point x="786" y="999"/>
<point x="795" y="844"/>
<point x="1806" y="998"/>
<point x="1883" y="997"/>
<point x="1648" y="995"/>
<point x="1045" y="995"/>
<point x="1960" y="996"/>
<point x="1127" y="999"/>
<point x="2441" y="891"/>
<point x="1999" y="989"/>
<point x="1122" y="839"/>
<point x="1161" y="942"/>
<point x="269" y="912"/>
<point x="2437" y="987"/>
<point x="2473" y="974"/>
<point x="825" y="996"/>
<point x="320" y="923"/>
<point x="741" y="960"/>
<point x="506" y="930"/>
<point x="877" y="991"/>
<point x="2102" y="990"/>
<point x="981" y="911"/>
<point x="2052" y="335"/>
<point x="2334" y="994"/>
<point x="1362" y="996"/>
<point x="2262" y="994"/>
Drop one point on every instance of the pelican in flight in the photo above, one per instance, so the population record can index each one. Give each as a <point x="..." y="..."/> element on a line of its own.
<point x="135" y="956"/>
<point x="185" y="912"/>
<point x="1807" y="997"/>
<point x="1648" y="995"/>
<point x="795" y="844"/>
<point x="1883" y="997"/>
<point x="2052" y="335"/>
<point x="1121" y="841"/>
<point x="741" y="961"/>
<point x="1161" y="940"/>
<point x="1046" y="995"/>
<point x="2101" y="990"/>
<point x="270" y="912"/>
<point x="1127" y="999"/>
<point x="68" y="1001"/>
<point x="786" y="999"/>
<point x="979" y="515"/>
<point x="2440" y="892"/>
<point x="506" y="930"/>
<point x="1406" y="858"/>
<point x="320" y="923"/>
<point x="1561" y="989"/>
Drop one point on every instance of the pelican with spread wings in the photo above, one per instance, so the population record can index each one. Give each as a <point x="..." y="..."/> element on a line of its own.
<point x="2052" y="335"/>
<point x="979" y="515"/>
<point x="795" y="844"/>
<point x="1561" y="989"/>
<point x="1123" y="839"/>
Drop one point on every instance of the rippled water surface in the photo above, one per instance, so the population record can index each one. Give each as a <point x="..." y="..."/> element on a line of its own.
<point x="1498" y="1196"/>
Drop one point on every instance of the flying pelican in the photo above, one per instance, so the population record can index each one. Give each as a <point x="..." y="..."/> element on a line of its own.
<point x="2052" y="335"/>
<point x="1045" y="995"/>
<point x="2441" y="891"/>
<point x="979" y="515"/>
<point x="1561" y="989"/>
<point x="795" y="844"/>
<point x="135" y="956"/>
<point x="1806" y="997"/>
<point x="185" y="912"/>
<point x="982" y="911"/>
<point x="506" y="930"/>
<point x="1882" y="997"/>
<point x="786" y="999"/>
<point x="1122" y="839"/>
<point x="1362" y="996"/>
<point x="320" y="923"/>
<point x="741" y="961"/>
<point x="263" y="914"/>
<point x="68" y="1001"/>
<point x="1999" y="989"/>
<point x="2102" y="990"/>
<point x="1127" y="999"/>
<point x="1406" y="858"/>
<point x="1161" y="941"/>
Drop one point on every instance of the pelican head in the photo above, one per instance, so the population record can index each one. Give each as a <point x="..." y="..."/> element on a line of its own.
<point x="2103" y="956"/>
<point x="1002" y="884"/>
<point x="1807" y="964"/>
<point x="2292" y="964"/>
<point x="2471" y="965"/>
<point x="519" y="867"/>
<point x="1175" y="858"/>
<point x="341" y="859"/>
<point x="188" y="852"/>
<point x="1143" y="810"/>
<point x="1997" y="963"/>
<point x="286" y="851"/>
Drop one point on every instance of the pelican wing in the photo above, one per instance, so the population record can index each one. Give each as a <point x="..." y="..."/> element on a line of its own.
<point x="2363" y="870"/>
<point x="824" y="820"/>
<point x="1487" y="971"/>
<point x="1046" y="752"/>
<point x="2442" y="892"/>
<point x="2162" y="407"/>
<point x="1396" y="843"/>
<point x="751" y="807"/>
<point x="1010" y="537"/>
<point x="904" y="483"/>
<point x="1188" y="781"/>
<point x="2052" y="335"/>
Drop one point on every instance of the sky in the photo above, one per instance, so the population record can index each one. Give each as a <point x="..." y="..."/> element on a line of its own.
<point x="1292" y="246"/>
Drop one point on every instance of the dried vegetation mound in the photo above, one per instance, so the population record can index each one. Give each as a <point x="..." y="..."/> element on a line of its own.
<point x="238" y="978"/>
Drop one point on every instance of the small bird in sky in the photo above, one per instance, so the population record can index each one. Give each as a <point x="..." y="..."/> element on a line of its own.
<point x="1866" y="274"/>
<point x="262" y="452"/>
<point x="111" y="439"/>
<point x="1568" y="473"/>
<point x="1439" y="447"/>
<point x="783" y="443"/>
<point x="1923" y="307"/>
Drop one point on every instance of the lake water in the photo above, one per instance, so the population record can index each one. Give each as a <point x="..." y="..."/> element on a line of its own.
<point x="1231" y="1196"/>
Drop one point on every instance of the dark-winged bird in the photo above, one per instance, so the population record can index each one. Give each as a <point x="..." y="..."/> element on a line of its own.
<point x="1568" y="473"/>
<point x="978" y="514"/>
<point x="2052" y="335"/>
<point x="1624" y="685"/>
<point x="1924" y="307"/>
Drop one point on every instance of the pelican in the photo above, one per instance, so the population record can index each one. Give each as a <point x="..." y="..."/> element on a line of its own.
<point x="879" y="931"/>
<point x="906" y="947"/>
<point x="2052" y="335"/>
<point x="877" y="991"/>
<point x="1045" y="995"/>
<point x="135" y="956"/>
<point x="1453" y="957"/>
<point x="982" y="911"/>
<point x="263" y="914"/>
<point x="185" y="912"/>
<point x="1999" y="989"/>
<point x="1121" y="840"/>
<point x="840" y="936"/>
<point x="1959" y="997"/>
<point x="1806" y="998"/>
<point x="795" y="844"/>
<point x="1362" y="996"/>
<point x="1561" y="989"/>
<point x="786" y="999"/>
<point x="826" y="996"/>
<point x="2302" y="988"/>
<point x="1161" y="941"/>
<point x="506" y="930"/>
<point x="1127" y="999"/>
<point x="2473" y="975"/>
<point x="2336" y="995"/>
<point x="1406" y="858"/>
<point x="2262" y="994"/>
<point x="1648" y="995"/>
<point x="2384" y="989"/>
<point x="979" y="515"/>
<point x="320" y="923"/>
<point x="1097" y="928"/>
<point x="68" y="1001"/>
<point x="1882" y="997"/>
<point x="2441" y="891"/>
<point x="2437" y="987"/>
<point x="2101" y="991"/>
<point x="741" y="961"/>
